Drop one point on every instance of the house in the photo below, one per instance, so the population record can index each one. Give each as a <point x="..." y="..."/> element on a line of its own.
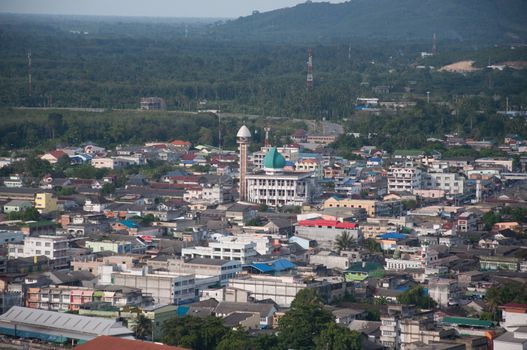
<point x="516" y="339"/>
<point x="16" y="206"/>
<point x="181" y="145"/>
<point x="513" y="316"/>
<point x="265" y="311"/>
<point x="53" y="156"/>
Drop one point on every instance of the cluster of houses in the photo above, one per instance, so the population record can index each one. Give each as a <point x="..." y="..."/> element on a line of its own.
<point x="241" y="240"/>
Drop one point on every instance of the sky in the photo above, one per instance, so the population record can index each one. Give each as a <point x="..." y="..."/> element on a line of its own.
<point x="154" y="8"/>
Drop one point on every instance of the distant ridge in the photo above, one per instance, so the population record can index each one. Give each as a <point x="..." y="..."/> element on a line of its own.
<point x="483" y="21"/>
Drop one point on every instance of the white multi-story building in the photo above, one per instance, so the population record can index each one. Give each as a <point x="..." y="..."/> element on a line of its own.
<point x="275" y="187"/>
<point x="164" y="287"/>
<point x="404" y="179"/>
<point x="227" y="248"/>
<point x="206" y="193"/>
<point x="451" y="183"/>
<point x="406" y="257"/>
<point x="52" y="247"/>
<point x="290" y="153"/>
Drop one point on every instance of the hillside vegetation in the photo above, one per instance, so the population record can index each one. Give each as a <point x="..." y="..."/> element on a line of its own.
<point x="482" y="21"/>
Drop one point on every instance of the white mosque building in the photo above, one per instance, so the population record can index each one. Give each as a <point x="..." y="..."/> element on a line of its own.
<point x="272" y="185"/>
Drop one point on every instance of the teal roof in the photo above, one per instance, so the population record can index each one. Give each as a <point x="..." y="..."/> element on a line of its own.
<point x="273" y="159"/>
<point x="366" y="267"/>
<point x="467" y="321"/>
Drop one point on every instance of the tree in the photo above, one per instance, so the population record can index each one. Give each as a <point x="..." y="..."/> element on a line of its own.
<point x="143" y="327"/>
<point x="304" y="321"/>
<point x="508" y="292"/>
<point x="344" y="241"/>
<point x="336" y="337"/>
<point x="372" y="245"/>
<point x="262" y="208"/>
<point x="205" y="136"/>
<point x="56" y="123"/>
<point x="409" y="204"/>
<point x="416" y="296"/>
<point x="194" y="333"/>
<point x="28" y="214"/>
<point x="238" y="339"/>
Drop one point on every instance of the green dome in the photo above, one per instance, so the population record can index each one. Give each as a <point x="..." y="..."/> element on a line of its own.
<point x="273" y="159"/>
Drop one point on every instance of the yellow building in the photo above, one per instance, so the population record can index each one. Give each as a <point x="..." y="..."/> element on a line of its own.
<point x="373" y="207"/>
<point x="45" y="202"/>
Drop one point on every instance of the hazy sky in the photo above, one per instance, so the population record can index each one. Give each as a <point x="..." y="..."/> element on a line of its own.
<point x="166" y="8"/>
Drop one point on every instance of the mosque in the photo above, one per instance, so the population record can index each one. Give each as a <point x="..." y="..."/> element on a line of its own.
<point x="272" y="185"/>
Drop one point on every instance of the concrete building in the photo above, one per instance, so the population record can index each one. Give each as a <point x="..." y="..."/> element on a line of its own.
<point x="401" y="326"/>
<point x="275" y="187"/>
<point x="152" y="104"/>
<point x="163" y="287"/>
<point x="325" y="232"/>
<point x="411" y="258"/>
<point x="118" y="247"/>
<point x="374" y="208"/>
<point x="513" y="316"/>
<point x="467" y="222"/>
<point x="226" y="248"/>
<point x="225" y="269"/>
<point x="515" y="340"/>
<point x="506" y="163"/>
<point x="404" y="179"/>
<point x="46" y="202"/>
<point x="52" y="247"/>
<point x="283" y="289"/>
<point x="450" y="183"/>
<point x="444" y="291"/>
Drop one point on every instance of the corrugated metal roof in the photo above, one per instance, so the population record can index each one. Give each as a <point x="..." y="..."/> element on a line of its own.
<point x="467" y="321"/>
<point x="61" y="321"/>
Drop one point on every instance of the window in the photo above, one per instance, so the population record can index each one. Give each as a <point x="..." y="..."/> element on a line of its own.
<point x="38" y="252"/>
<point x="47" y="252"/>
<point x="48" y="244"/>
<point x="38" y="244"/>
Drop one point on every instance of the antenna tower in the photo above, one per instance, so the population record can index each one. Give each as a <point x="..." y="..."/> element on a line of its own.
<point x="29" y="72"/>
<point x="309" y="80"/>
<point x="434" y="48"/>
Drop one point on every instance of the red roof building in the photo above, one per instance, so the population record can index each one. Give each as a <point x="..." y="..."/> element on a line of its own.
<point x="111" y="343"/>
<point x="328" y="223"/>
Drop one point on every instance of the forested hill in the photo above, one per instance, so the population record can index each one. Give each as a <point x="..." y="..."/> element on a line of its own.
<point x="474" y="21"/>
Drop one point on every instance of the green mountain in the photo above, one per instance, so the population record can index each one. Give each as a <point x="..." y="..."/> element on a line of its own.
<point x="478" y="21"/>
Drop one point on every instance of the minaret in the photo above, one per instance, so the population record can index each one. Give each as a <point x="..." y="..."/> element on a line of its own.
<point x="243" y="138"/>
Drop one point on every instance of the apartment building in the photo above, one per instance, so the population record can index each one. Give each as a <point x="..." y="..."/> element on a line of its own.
<point x="70" y="298"/>
<point x="226" y="248"/>
<point x="402" y="325"/>
<point x="444" y="291"/>
<point x="404" y="179"/>
<point x="163" y="287"/>
<point x="225" y="269"/>
<point x="406" y="257"/>
<point x="52" y="247"/>
<point x="450" y="183"/>
<point x="374" y="208"/>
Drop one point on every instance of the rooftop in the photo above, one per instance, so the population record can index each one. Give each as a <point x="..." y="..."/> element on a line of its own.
<point x="112" y="343"/>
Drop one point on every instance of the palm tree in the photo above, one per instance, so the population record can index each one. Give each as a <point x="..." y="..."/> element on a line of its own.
<point x="142" y="327"/>
<point x="344" y="241"/>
